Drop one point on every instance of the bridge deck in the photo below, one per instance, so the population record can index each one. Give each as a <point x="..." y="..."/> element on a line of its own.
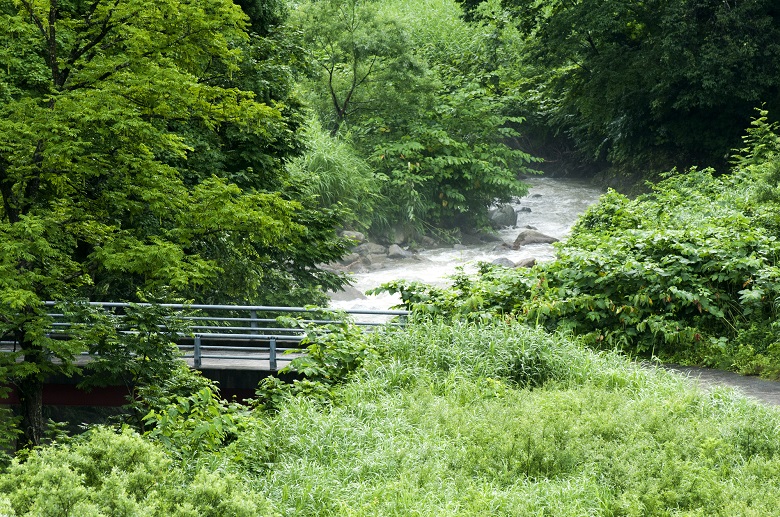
<point x="236" y="346"/>
<point x="222" y="336"/>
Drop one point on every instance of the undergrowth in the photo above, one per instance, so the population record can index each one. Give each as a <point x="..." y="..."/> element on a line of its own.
<point x="439" y="419"/>
<point x="687" y="273"/>
<point x="467" y="419"/>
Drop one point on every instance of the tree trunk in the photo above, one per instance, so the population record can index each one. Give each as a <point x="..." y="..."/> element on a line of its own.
<point x="30" y="392"/>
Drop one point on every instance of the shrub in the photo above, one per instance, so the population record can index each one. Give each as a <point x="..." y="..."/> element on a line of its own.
<point x="688" y="272"/>
<point x="109" y="473"/>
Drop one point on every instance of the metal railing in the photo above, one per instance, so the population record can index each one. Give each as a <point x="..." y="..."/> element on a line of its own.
<point x="240" y="333"/>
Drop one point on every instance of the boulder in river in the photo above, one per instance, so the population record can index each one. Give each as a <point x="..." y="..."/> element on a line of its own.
<point x="397" y="252"/>
<point x="370" y="248"/>
<point x="503" y="216"/>
<point x="398" y="235"/>
<point x="347" y="293"/>
<point x="503" y="261"/>
<point x="528" y="262"/>
<point x="532" y="237"/>
<point x="350" y="259"/>
<point x="354" y="236"/>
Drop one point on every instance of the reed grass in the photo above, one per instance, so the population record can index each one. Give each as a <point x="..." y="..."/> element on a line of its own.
<point x="460" y="419"/>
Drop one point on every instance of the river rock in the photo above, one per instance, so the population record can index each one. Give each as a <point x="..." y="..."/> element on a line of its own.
<point x="525" y="209"/>
<point x="350" y="259"/>
<point x="469" y="239"/>
<point x="354" y="236"/>
<point x="397" y="252"/>
<point x="370" y="248"/>
<point x="527" y="262"/>
<point x="503" y="261"/>
<point x="503" y="216"/>
<point x="490" y="237"/>
<point x="428" y="242"/>
<point x="347" y="293"/>
<point x="377" y="258"/>
<point x="532" y="237"/>
<point x="398" y="235"/>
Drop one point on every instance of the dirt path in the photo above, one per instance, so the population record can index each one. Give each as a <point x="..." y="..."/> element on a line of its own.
<point x="762" y="390"/>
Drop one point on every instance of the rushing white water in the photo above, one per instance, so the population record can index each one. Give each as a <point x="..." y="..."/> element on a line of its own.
<point x="555" y="205"/>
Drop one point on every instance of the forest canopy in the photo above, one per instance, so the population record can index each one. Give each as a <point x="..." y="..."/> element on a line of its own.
<point x="143" y="157"/>
<point x="641" y="85"/>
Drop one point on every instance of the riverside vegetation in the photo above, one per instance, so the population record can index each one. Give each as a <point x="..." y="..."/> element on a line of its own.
<point x="174" y="150"/>
<point x="479" y="407"/>
<point x="686" y="273"/>
<point x="212" y="151"/>
<point x="439" y="418"/>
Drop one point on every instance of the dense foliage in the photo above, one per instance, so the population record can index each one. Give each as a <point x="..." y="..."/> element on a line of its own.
<point x="442" y="419"/>
<point x="157" y="150"/>
<point x="651" y="84"/>
<point x="119" y="473"/>
<point x="397" y="79"/>
<point x="141" y="152"/>
<point x="688" y="272"/>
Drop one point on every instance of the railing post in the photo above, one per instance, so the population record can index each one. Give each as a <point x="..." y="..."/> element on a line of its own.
<point x="272" y="354"/>
<point x="253" y="324"/>
<point x="196" y="360"/>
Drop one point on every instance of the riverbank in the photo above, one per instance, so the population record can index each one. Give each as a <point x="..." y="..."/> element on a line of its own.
<point x="551" y="207"/>
<point x="761" y="390"/>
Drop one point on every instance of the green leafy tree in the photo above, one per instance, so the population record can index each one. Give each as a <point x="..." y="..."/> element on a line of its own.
<point x="400" y="78"/>
<point x="272" y="57"/>
<point x="446" y="161"/>
<point x="353" y="46"/>
<point x="655" y="84"/>
<point x="96" y="102"/>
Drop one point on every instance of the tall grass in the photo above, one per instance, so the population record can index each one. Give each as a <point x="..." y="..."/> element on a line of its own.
<point x="448" y="420"/>
<point x="504" y="420"/>
<point x="337" y="175"/>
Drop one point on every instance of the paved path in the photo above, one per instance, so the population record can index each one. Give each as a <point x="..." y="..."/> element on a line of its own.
<point x="762" y="390"/>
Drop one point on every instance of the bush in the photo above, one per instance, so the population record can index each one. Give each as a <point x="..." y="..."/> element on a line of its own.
<point x="109" y="473"/>
<point x="688" y="272"/>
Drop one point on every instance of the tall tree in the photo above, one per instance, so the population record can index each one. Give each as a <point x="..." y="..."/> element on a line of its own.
<point x="273" y="56"/>
<point x="655" y="84"/>
<point x="400" y="78"/>
<point x="353" y="47"/>
<point x="96" y="100"/>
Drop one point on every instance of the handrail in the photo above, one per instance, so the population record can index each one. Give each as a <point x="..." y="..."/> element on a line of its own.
<point x="216" y="337"/>
<point x="264" y="308"/>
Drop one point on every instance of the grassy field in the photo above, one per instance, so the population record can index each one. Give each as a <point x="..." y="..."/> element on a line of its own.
<point x="469" y="420"/>
<point x="445" y="420"/>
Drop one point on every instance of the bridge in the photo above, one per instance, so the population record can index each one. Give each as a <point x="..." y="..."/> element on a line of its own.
<point x="235" y="345"/>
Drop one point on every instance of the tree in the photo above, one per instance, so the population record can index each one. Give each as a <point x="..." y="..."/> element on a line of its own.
<point x="96" y="102"/>
<point x="354" y="47"/>
<point x="399" y="78"/>
<point x="446" y="159"/>
<point x="257" y="160"/>
<point x="648" y="84"/>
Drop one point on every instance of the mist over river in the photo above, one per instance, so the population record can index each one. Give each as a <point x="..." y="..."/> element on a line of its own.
<point x="554" y="204"/>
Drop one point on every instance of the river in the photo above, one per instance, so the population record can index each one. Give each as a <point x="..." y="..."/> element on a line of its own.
<point x="554" y="204"/>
